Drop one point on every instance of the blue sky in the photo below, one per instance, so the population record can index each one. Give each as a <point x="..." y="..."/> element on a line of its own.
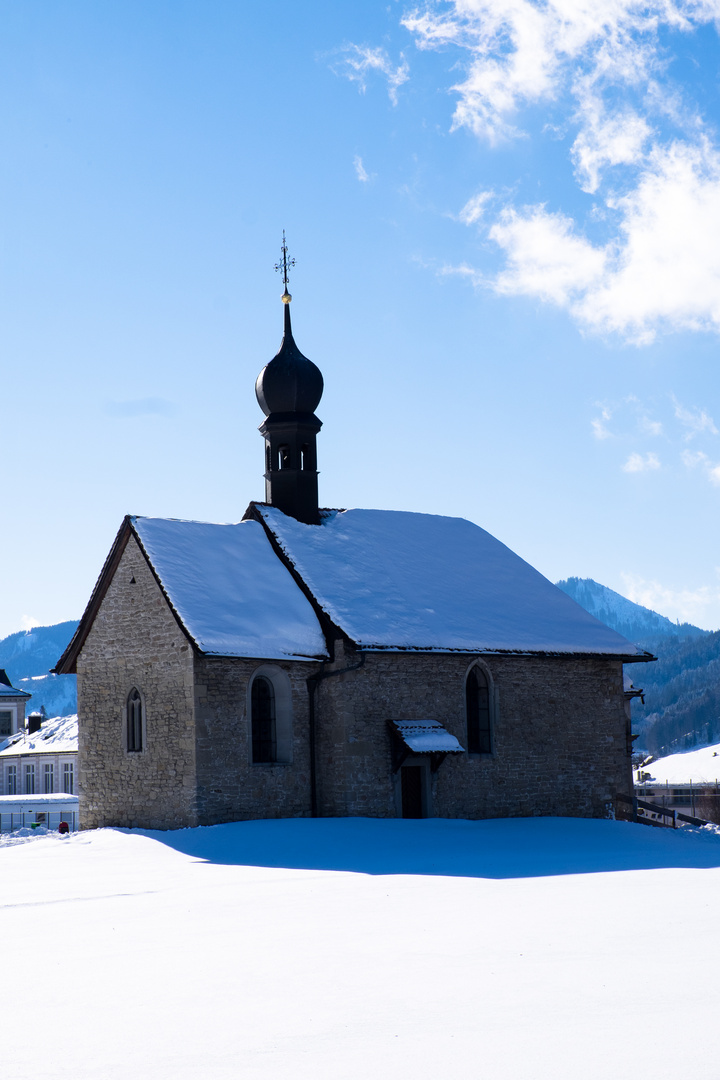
<point x="505" y="217"/>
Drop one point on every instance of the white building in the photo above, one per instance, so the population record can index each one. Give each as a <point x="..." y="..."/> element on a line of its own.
<point x="41" y="761"/>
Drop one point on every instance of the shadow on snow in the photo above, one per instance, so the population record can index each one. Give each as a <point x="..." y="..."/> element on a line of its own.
<point x="498" y="848"/>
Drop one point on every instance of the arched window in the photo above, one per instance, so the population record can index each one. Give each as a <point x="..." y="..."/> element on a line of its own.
<point x="134" y="721"/>
<point x="283" y="457"/>
<point x="264" y="741"/>
<point x="477" y="705"/>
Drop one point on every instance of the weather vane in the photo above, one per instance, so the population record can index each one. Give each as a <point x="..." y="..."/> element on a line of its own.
<point x="286" y="265"/>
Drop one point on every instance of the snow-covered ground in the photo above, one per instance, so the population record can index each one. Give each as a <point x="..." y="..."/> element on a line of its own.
<point x="345" y="949"/>
<point x="699" y="766"/>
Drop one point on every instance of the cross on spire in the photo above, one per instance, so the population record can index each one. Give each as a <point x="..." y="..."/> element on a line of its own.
<point x="285" y="265"/>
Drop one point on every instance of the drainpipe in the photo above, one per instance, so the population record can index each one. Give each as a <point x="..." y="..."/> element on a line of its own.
<point x="313" y="681"/>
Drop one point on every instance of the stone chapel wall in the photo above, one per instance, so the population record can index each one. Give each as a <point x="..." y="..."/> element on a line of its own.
<point x="230" y="786"/>
<point x="135" y="641"/>
<point x="559" y="740"/>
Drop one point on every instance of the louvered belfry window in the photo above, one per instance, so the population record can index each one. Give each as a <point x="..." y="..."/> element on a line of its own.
<point x="477" y="702"/>
<point x="264" y="743"/>
<point x="134" y="721"/>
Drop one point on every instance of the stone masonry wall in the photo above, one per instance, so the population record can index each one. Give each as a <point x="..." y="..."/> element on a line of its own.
<point x="230" y="786"/>
<point x="559" y="740"/>
<point x="135" y="641"/>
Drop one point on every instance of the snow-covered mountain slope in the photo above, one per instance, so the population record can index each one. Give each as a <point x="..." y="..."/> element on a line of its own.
<point x="632" y="620"/>
<point x="28" y="655"/>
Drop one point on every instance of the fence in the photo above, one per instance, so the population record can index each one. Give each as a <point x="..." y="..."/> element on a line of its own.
<point x="647" y="813"/>
<point x="33" y="819"/>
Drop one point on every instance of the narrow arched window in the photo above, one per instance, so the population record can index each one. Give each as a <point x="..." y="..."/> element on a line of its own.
<point x="477" y="704"/>
<point x="134" y="721"/>
<point x="284" y="457"/>
<point x="264" y="741"/>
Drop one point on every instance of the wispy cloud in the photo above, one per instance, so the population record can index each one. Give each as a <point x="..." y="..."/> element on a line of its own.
<point x="638" y="463"/>
<point x="695" y="421"/>
<point x="599" y="424"/>
<point x="474" y="209"/>
<point x="152" y="406"/>
<point x="28" y="622"/>
<point x="358" y="62"/>
<point x="360" y="171"/>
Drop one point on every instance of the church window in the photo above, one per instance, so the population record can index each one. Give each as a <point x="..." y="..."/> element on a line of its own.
<point x="134" y="721"/>
<point x="477" y="705"/>
<point x="268" y="459"/>
<point x="269" y="711"/>
<point x="284" y="457"/>
<point x="304" y="457"/>
<point x="264" y="742"/>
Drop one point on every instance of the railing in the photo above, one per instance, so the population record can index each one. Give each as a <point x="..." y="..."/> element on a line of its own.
<point x="12" y="820"/>
<point x="647" y="813"/>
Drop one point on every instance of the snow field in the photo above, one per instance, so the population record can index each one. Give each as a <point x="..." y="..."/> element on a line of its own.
<point x="517" y="949"/>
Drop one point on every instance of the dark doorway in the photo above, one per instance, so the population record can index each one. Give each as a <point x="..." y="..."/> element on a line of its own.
<point x="412" y="794"/>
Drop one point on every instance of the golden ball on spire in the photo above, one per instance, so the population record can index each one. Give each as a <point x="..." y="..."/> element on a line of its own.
<point x="286" y="297"/>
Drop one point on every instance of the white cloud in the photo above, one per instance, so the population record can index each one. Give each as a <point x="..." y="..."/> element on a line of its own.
<point x="687" y="605"/>
<point x="696" y="421"/>
<point x="360" y="171"/>
<point x="28" y="622"/>
<point x="599" y="427"/>
<point x="606" y="141"/>
<point x="650" y="427"/>
<point x="474" y="209"/>
<point x="521" y="52"/>
<point x="694" y="458"/>
<point x="545" y="258"/>
<point x="359" y="61"/>
<point x="663" y="270"/>
<point x="637" y="463"/>
<point x="606" y="71"/>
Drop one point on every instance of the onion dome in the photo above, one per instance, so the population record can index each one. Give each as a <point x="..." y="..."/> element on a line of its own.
<point x="290" y="383"/>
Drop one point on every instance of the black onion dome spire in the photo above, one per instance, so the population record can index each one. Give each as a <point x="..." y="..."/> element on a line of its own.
<point x="288" y="390"/>
<point x="290" y="383"/>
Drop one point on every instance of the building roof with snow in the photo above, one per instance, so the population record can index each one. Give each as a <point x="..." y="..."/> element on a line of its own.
<point x="58" y="735"/>
<point x="271" y="587"/>
<point x="396" y="580"/>
<point x="7" y="690"/>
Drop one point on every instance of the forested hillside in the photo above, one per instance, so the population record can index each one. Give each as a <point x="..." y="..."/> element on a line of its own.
<point x="682" y="688"/>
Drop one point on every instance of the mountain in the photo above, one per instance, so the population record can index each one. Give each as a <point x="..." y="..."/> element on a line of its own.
<point x="629" y="619"/>
<point x="682" y="687"/>
<point x="28" y="655"/>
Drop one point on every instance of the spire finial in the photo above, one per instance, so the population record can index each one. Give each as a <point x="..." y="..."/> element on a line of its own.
<point x="285" y="265"/>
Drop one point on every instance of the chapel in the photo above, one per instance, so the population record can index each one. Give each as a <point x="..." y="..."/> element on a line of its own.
<point x="308" y="661"/>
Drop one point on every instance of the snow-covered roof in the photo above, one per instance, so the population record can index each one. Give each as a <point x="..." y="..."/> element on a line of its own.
<point x="230" y="590"/>
<point x="426" y="737"/>
<point x="11" y="692"/>
<point x="29" y="802"/>
<point x="56" y="736"/>
<point x="397" y="580"/>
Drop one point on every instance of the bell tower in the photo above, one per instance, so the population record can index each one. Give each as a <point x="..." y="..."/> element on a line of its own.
<point x="288" y="390"/>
